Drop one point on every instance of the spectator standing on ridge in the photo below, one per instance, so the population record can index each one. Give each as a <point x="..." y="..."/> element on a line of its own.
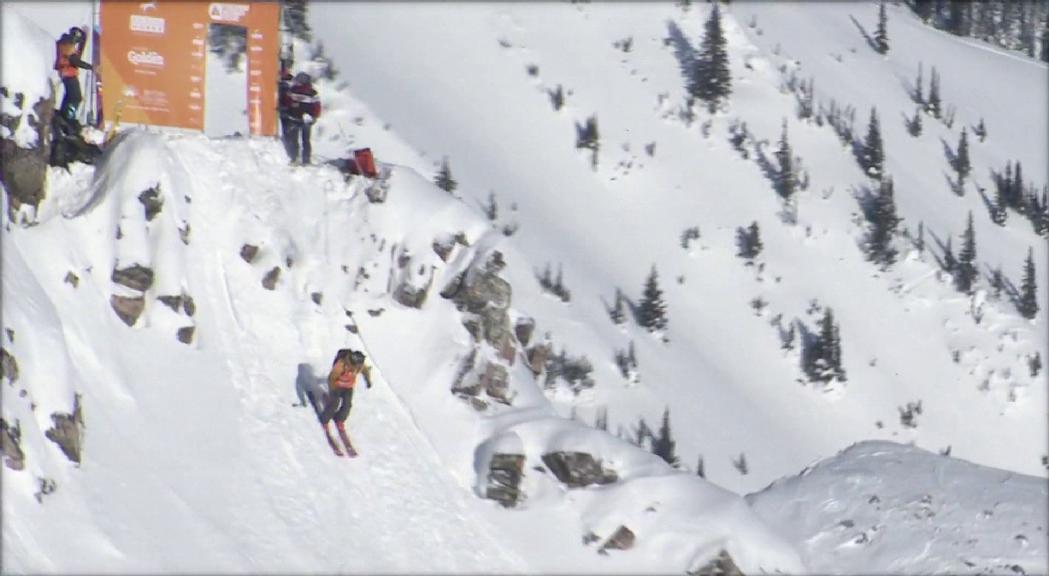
<point x="282" y="96"/>
<point x="68" y="49"/>
<point x="300" y="108"/>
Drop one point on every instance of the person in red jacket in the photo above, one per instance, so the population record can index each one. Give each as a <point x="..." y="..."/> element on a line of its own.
<point x="68" y="49"/>
<point x="299" y="109"/>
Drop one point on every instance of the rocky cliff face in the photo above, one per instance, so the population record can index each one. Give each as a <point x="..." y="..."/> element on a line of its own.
<point x="24" y="169"/>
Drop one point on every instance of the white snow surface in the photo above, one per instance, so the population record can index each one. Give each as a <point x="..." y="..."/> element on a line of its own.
<point x="204" y="458"/>
<point x="884" y="508"/>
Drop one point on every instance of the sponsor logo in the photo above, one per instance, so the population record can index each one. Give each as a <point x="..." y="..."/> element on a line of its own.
<point x="195" y="79"/>
<point x="227" y="12"/>
<point x="146" y="24"/>
<point x="147" y="6"/>
<point x="145" y="58"/>
<point x="195" y="95"/>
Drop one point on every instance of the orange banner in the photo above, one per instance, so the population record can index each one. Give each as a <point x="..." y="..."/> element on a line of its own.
<point x="154" y="58"/>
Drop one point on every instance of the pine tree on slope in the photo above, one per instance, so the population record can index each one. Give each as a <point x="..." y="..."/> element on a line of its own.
<point x="873" y="155"/>
<point x="933" y="103"/>
<point x="883" y="226"/>
<point x="444" y="178"/>
<point x="652" y="311"/>
<point x="966" y="272"/>
<point x="961" y="159"/>
<point x="713" y="80"/>
<point x="1028" y="288"/>
<point x="664" y="445"/>
<point x="881" y="34"/>
<point x="786" y="180"/>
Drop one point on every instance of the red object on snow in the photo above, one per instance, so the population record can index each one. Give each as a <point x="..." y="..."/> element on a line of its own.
<point x="365" y="162"/>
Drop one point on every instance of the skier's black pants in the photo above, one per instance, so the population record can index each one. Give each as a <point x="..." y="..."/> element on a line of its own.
<point x="343" y="396"/>
<point x="293" y="131"/>
<point x="72" y="97"/>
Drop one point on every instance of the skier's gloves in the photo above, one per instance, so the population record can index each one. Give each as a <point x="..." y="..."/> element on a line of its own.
<point x="307" y="119"/>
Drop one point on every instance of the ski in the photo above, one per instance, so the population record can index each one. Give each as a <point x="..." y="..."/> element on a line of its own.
<point x="331" y="442"/>
<point x="350" y="451"/>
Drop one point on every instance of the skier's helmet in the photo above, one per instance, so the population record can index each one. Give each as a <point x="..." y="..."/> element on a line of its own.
<point x="76" y="33"/>
<point x="302" y="78"/>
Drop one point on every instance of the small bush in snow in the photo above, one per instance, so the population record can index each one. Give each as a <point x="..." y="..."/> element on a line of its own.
<point x="748" y="242"/>
<point x="574" y="371"/>
<point x="690" y="234"/>
<point x="554" y="285"/>
<point x="626" y="361"/>
<point x="663" y="445"/>
<point x="587" y="137"/>
<point x="741" y="464"/>
<point x="444" y="178"/>
<point x="909" y="414"/>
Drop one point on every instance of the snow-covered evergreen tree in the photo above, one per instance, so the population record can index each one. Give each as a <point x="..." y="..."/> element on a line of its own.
<point x="786" y="179"/>
<point x="1029" y="288"/>
<point x="652" y="312"/>
<point x="712" y="79"/>
<point x="884" y="221"/>
<point x="962" y="165"/>
<point x="663" y="444"/>
<point x="933" y="104"/>
<point x="618" y="312"/>
<point x="965" y="274"/>
<point x="444" y="178"/>
<point x="822" y="358"/>
<point x="873" y="155"/>
<point x="881" y="33"/>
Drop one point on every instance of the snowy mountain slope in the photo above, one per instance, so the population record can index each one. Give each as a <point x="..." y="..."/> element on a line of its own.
<point x="880" y="507"/>
<point x="195" y="458"/>
<point x="201" y="446"/>
<point x="607" y="229"/>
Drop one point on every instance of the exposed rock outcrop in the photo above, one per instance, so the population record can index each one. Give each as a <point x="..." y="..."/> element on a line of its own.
<point x="10" y="446"/>
<point x="9" y="365"/>
<point x="269" y="282"/>
<point x="578" y="469"/>
<point x="128" y="308"/>
<point x="67" y="431"/>
<point x="248" y="252"/>
<point x="504" y="479"/>
<point x="24" y="170"/>
<point x="185" y="334"/>
<point x="721" y="565"/>
<point x="152" y="201"/>
<point x="136" y="277"/>
<point x="622" y="539"/>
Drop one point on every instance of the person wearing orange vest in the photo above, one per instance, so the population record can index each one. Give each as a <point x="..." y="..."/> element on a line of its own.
<point x="68" y="49"/>
<point x="347" y="366"/>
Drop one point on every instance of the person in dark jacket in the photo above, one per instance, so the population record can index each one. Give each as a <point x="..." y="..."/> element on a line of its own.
<point x="68" y="63"/>
<point x="300" y="108"/>
<point x="282" y="97"/>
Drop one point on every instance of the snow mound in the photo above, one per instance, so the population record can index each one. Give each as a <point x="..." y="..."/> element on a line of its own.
<point x="881" y="507"/>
